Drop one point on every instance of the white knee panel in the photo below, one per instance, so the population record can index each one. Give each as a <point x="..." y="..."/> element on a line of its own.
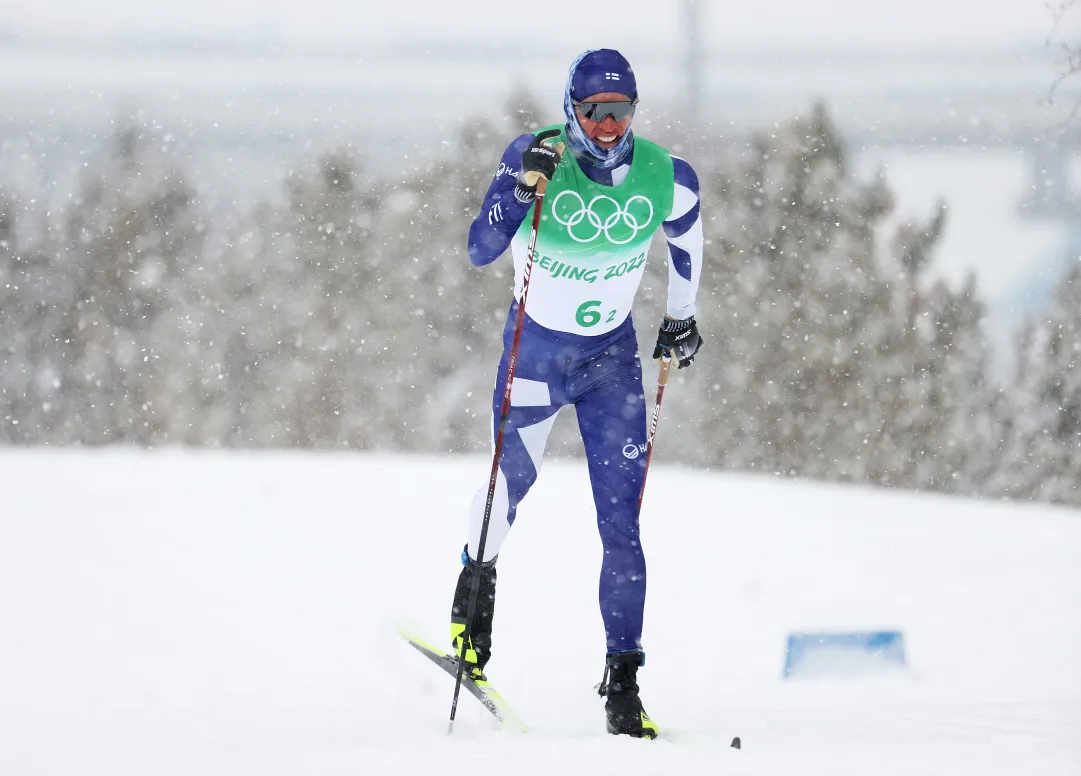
<point x="524" y="393"/>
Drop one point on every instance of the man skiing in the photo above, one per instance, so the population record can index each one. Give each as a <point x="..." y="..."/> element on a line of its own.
<point x="604" y="202"/>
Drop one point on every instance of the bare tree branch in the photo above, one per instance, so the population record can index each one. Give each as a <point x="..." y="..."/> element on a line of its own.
<point x="1069" y="61"/>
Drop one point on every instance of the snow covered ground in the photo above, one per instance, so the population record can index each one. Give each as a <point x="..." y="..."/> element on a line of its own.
<point x="233" y="613"/>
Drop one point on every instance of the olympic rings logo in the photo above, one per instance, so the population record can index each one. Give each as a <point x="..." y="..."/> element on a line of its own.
<point x="628" y="217"/>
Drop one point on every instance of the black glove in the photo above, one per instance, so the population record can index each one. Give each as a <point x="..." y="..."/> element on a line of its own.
<point x="678" y="339"/>
<point x="538" y="159"/>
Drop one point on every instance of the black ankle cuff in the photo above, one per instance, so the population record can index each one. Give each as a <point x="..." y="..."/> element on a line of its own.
<point x="633" y="658"/>
<point x="467" y="561"/>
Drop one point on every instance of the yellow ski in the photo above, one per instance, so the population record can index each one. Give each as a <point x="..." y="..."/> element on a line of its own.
<point x="481" y="689"/>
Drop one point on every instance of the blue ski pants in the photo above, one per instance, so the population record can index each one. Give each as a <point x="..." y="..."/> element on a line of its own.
<point x="602" y="378"/>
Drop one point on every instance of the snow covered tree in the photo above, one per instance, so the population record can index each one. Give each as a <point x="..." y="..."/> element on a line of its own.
<point x="456" y="311"/>
<point x="30" y="367"/>
<point x="1042" y="460"/>
<point x="829" y="358"/>
<point x="354" y="305"/>
<point x="130" y="238"/>
<point x="794" y="302"/>
<point x="955" y="427"/>
<point x="940" y="414"/>
<point x="321" y="270"/>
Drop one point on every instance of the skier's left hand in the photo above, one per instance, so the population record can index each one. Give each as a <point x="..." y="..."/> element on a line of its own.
<point x="679" y="339"/>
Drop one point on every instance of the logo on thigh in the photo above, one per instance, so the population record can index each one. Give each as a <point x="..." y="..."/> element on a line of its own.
<point x="630" y="452"/>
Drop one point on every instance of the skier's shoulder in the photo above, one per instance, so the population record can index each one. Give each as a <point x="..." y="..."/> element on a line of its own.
<point x="520" y="143"/>
<point x="682" y="171"/>
<point x="517" y="146"/>
<point x="684" y="174"/>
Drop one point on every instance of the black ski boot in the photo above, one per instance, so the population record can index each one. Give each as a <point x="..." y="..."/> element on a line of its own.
<point x="622" y="706"/>
<point x="479" y="646"/>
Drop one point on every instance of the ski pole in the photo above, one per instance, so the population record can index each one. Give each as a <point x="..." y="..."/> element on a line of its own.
<point x="531" y="178"/>
<point x="662" y="380"/>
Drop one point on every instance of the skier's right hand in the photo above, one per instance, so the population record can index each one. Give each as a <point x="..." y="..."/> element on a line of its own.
<point x="539" y="161"/>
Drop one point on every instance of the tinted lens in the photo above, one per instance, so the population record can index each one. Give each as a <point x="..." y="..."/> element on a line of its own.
<point x="597" y="111"/>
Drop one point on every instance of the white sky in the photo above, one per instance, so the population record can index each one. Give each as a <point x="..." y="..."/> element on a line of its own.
<point x="806" y="24"/>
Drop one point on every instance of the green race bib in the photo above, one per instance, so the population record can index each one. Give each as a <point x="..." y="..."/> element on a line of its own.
<point x="593" y="242"/>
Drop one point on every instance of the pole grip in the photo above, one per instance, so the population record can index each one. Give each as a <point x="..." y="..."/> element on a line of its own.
<point x="666" y="365"/>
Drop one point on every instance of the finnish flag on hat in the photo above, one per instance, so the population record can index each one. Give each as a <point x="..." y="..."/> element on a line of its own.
<point x="603" y="70"/>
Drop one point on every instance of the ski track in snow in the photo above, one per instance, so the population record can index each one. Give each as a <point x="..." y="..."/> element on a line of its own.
<point x="233" y="613"/>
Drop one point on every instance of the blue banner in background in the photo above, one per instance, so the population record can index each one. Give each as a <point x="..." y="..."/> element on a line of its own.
<point x="851" y="654"/>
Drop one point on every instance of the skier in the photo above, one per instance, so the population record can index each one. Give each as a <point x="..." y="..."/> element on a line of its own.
<point x="604" y="202"/>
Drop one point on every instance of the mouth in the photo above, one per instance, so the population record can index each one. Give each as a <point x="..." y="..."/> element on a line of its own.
<point x="606" y="140"/>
